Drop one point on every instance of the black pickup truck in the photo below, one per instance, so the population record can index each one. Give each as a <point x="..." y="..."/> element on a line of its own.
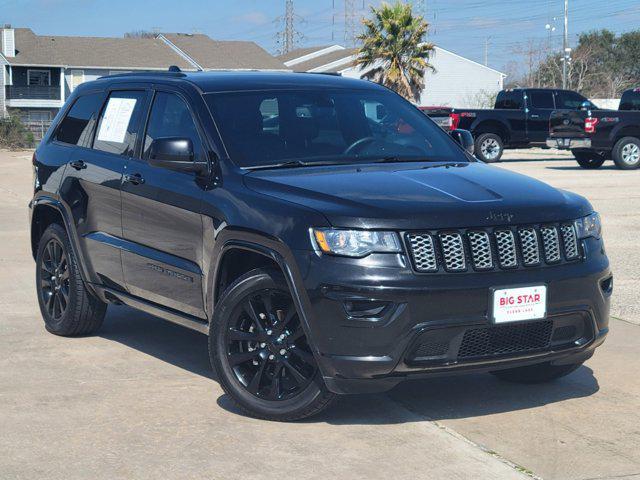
<point x="596" y="136"/>
<point x="520" y="119"/>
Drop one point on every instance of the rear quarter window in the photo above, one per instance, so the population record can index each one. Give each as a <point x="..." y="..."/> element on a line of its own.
<point x="77" y="126"/>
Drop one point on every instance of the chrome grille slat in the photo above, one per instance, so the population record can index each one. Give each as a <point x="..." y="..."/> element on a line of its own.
<point x="493" y="248"/>
<point x="570" y="241"/>
<point x="529" y="246"/>
<point x="551" y="244"/>
<point x="423" y="251"/>
<point x="506" y="245"/>
<point x="480" y="250"/>
<point x="453" y="252"/>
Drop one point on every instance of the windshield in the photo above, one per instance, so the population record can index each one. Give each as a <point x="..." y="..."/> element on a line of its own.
<point x="267" y="128"/>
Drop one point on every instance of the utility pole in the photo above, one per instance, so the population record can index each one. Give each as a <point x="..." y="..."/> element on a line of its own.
<point x="288" y="36"/>
<point x="350" y="23"/>
<point x="287" y="44"/>
<point x="566" y="51"/>
<point x="486" y="51"/>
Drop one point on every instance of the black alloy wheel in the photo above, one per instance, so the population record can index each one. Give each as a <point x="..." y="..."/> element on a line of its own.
<point x="259" y="349"/>
<point x="67" y="307"/>
<point x="54" y="279"/>
<point x="267" y="348"/>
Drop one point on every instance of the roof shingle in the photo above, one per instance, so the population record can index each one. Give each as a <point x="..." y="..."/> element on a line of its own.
<point x="130" y="53"/>
<point x="227" y="54"/>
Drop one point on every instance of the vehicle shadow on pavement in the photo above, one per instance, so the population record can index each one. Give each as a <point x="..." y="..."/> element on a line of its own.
<point x="440" y="398"/>
<point x="578" y="167"/>
<point x="159" y="338"/>
<point x="461" y="396"/>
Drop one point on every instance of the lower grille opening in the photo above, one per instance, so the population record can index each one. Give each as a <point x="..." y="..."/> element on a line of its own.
<point x="433" y="349"/>
<point x="459" y="344"/>
<point x="505" y="340"/>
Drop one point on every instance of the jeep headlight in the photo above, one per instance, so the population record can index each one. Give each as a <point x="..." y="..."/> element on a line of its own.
<point x="589" y="226"/>
<point x="355" y="243"/>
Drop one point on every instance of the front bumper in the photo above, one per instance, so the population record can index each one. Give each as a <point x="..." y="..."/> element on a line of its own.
<point x="366" y="316"/>
<point x="568" y="143"/>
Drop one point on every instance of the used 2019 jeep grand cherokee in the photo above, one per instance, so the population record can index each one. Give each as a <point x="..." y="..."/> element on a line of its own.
<point x="326" y="235"/>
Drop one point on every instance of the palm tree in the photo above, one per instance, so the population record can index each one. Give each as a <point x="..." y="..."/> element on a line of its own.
<point x="394" y="52"/>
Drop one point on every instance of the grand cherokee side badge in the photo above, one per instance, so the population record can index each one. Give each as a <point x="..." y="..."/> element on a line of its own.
<point x="171" y="273"/>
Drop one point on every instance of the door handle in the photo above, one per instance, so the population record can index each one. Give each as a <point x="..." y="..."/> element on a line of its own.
<point x="535" y="116"/>
<point x="135" y="179"/>
<point x="78" y="164"/>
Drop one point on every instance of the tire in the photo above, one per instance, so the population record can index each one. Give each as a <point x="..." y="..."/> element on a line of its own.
<point x="626" y="153"/>
<point x="588" y="159"/>
<point x="489" y="147"/>
<point x="67" y="307"/>
<point x="267" y="376"/>
<point x="541" y="373"/>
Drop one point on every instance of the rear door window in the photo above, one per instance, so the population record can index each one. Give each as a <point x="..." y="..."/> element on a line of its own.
<point x="77" y="126"/>
<point x="541" y="99"/>
<point x="630" y="100"/>
<point x="120" y="122"/>
<point x="509" y="101"/>
<point x="569" y="100"/>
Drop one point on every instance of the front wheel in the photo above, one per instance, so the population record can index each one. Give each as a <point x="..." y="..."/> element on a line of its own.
<point x="260" y="352"/>
<point x="626" y="153"/>
<point x="588" y="159"/>
<point x="541" y="373"/>
<point x="489" y="147"/>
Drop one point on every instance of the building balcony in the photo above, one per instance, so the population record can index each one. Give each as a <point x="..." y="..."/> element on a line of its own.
<point x="18" y="92"/>
<point x="19" y="96"/>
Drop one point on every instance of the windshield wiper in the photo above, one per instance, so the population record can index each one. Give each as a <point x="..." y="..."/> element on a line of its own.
<point x="295" y="164"/>
<point x="288" y="164"/>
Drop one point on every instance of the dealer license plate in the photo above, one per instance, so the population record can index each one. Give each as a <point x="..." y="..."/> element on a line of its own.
<point x="519" y="304"/>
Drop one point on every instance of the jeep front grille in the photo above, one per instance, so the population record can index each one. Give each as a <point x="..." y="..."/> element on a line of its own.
<point x="493" y="248"/>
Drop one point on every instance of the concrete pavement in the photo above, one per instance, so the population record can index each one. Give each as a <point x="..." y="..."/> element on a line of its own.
<point x="139" y="400"/>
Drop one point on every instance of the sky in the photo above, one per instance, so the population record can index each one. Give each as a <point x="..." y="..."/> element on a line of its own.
<point x="500" y="29"/>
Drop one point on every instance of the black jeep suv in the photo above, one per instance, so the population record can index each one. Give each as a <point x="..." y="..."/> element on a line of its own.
<point x="326" y="235"/>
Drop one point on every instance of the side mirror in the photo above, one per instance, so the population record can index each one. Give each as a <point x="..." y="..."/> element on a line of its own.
<point x="174" y="153"/>
<point x="464" y="139"/>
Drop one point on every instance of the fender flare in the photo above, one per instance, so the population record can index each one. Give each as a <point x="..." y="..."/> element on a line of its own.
<point x="478" y="122"/>
<point x="62" y="209"/>
<point x="230" y="239"/>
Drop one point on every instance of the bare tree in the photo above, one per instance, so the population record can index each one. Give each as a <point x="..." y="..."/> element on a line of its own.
<point x="139" y="34"/>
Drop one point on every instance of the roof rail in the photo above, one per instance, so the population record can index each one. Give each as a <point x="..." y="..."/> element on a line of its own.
<point x="333" y="74"/>
<point x="147" y="73"/>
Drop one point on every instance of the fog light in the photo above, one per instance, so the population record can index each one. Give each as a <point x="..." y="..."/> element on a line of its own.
<point x="366" y="308"/>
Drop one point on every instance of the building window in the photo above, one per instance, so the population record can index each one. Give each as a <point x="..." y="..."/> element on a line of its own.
<point x="77" y="78"/>
<point x="39" y="78"/>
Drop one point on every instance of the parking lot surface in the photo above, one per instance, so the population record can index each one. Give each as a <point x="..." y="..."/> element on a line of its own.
<point x="138" y="400"/>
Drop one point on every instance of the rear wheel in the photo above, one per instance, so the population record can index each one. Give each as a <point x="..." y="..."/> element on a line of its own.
<point x="543" y="372"/>
<point x="260" y="352"/>
<point x="489" y="147"/>
<point x="588" y="159"/>
<point x="67" y="307"/>
<point x="626" y="153"/>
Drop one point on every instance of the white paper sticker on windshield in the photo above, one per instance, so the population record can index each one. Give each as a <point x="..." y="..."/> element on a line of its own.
<point x="116" y="119"/>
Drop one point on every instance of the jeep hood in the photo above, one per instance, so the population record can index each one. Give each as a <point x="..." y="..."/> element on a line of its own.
<point x="419" y="195"/>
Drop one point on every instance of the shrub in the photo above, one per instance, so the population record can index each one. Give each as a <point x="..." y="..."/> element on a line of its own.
<point x="13" y="134"/>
